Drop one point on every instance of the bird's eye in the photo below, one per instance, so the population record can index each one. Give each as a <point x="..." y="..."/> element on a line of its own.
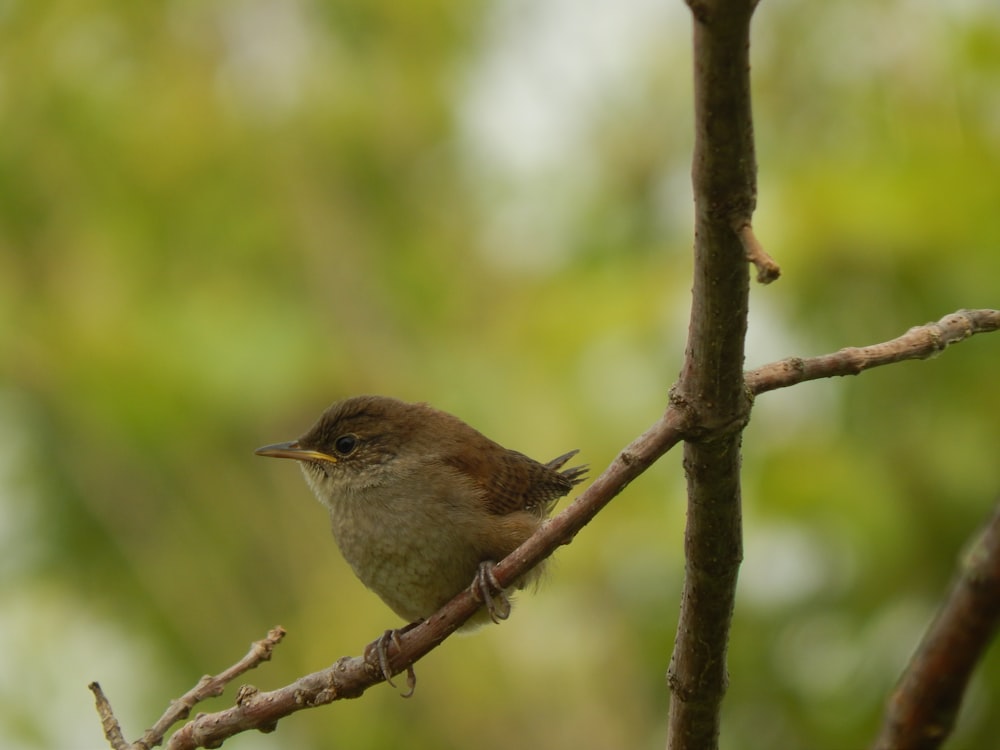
<point x="345" y="444"/>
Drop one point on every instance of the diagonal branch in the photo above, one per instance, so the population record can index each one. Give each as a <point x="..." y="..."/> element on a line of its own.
<point x="349" y="677"/>
<point x="921" y="342"/>
<point x="922" y="709"/>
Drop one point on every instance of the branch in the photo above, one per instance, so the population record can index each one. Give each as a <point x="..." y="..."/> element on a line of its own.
<point x="767" y="269"/>
<point x="112" y="729"/>
<point x="922" y="709"/>
<point x="207" y="687"/>
<point x="724" y="175"/>
<point x="349" y="677"/>
<point x="921" y="342"/>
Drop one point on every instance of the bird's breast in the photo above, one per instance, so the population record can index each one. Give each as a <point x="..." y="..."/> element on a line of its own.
<point x="413" y="553"/>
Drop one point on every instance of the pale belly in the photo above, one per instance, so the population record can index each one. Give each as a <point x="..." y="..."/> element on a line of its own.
<point x="413" y="574"/>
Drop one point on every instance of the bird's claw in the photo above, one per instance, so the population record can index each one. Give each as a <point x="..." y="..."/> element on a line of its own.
<point x="382" y="654"/>
<point x="487" y="588"/>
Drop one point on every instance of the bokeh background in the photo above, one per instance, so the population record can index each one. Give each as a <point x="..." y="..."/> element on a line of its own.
<point x="218" y="217"/>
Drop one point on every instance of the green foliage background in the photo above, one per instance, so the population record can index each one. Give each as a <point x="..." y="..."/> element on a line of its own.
<point x="216" y="218"/>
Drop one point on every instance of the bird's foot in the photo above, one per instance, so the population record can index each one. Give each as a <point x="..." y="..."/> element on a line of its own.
<point x="487" y="588"/>
<point x="382" y="654"/>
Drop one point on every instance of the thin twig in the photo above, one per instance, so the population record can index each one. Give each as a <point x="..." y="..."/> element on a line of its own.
<point x="922" y="710"/>
<point x="112" y="729"/>
<point x="921" y="342"/>
<point x="207" y="687"/>
<point x="767" y="268"/>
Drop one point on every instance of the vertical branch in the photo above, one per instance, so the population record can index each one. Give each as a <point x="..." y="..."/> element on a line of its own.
<point x="922" y="709"/>
<point x="711" y="384"/>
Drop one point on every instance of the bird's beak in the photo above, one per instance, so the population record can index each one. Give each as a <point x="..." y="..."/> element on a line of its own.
<point x="294" y="450"/>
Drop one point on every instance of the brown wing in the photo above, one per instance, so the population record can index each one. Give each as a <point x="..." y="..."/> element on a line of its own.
<point x="513" y="481"/>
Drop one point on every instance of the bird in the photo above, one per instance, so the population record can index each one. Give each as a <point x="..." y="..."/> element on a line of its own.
<point x="423" y="505"/>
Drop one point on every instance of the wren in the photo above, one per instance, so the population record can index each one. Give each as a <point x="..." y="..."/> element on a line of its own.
<point x="421" y="503"/>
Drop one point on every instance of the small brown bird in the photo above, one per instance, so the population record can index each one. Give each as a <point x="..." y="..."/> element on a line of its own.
<point x="422" y="504"/>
